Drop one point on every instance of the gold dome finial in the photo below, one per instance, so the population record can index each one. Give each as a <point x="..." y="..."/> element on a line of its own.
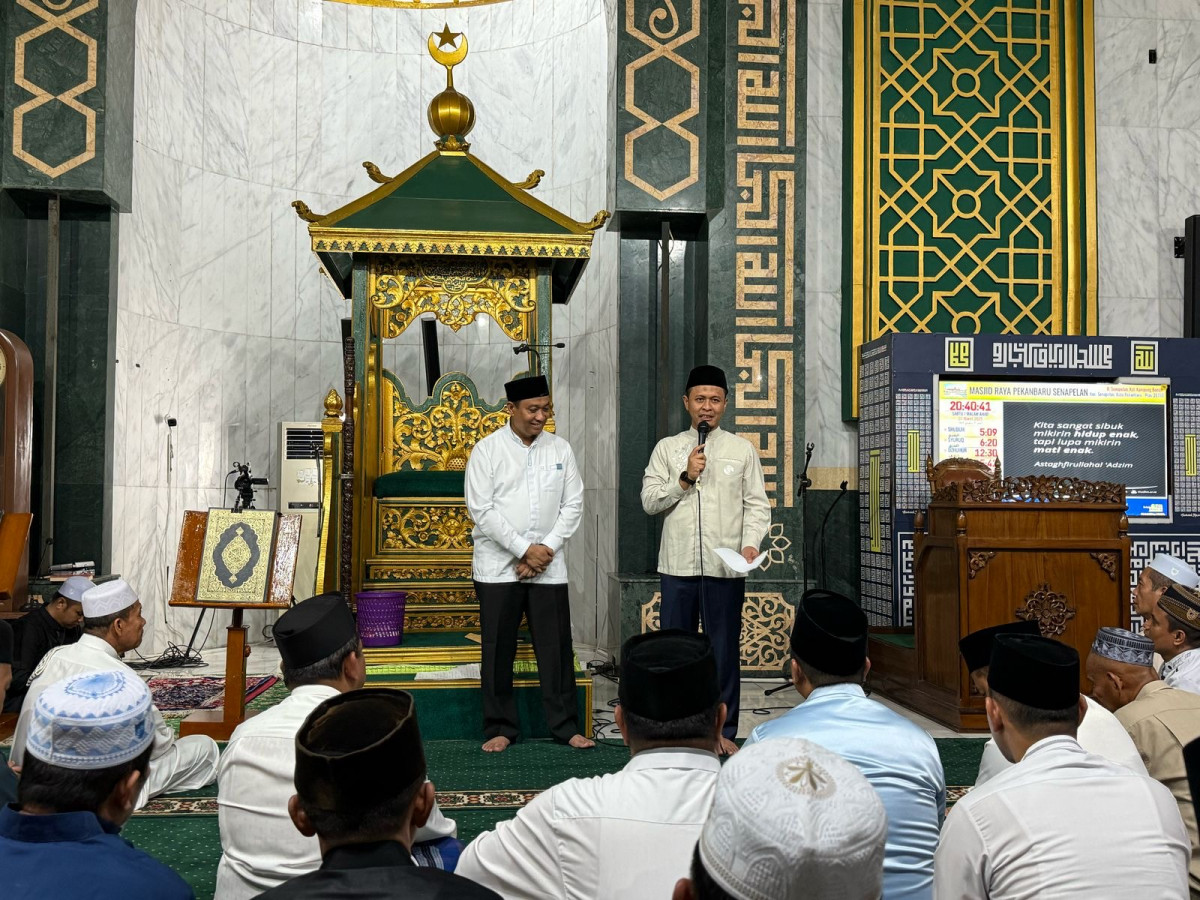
<point x="451" y="114"/>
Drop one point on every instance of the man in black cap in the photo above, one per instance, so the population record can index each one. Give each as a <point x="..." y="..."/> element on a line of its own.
<point x="321" y="657"/>
<point x="1038" y="829"/>
<point x="525" y="497"/>
<point x="51" y="625"/>
<point x="1099" y="732"/>
<point x="629" y="834"/>
<point x="829" y="667"/>
<point x="709" y="483"/>
<point x="361" y="790"/>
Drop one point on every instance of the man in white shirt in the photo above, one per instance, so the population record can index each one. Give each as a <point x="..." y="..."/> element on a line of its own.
<point x="629" y="834"/>
<point x="1174" y="627"/>
<point x="113" y="626"/>
<point x="321" y="657"/>
<point x="709" y="484"/>
<point x="1099" y="732"/>
<point x="1156" y="577"/>
<point x="1040" y="829"/>
<point x="1160" y="719"/>
<point x="525" y="497"/>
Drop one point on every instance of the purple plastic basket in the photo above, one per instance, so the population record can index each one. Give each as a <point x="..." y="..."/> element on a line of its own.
<point x="380" y="617"/>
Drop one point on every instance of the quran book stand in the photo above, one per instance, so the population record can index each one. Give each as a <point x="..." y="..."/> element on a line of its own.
<point x="1050" y="550"/>
<point x="219" y="724"/>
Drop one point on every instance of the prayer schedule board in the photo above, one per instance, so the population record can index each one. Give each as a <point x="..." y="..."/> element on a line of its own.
<point x="1099" y="432"/>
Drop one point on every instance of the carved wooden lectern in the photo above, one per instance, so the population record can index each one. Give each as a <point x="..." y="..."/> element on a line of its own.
<point x="994" y="550"/>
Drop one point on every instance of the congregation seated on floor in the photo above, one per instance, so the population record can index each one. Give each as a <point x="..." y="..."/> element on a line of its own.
<point x="327" y="794"/>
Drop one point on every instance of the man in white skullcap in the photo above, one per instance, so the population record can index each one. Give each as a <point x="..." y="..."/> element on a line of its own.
<point x="1174" y="627"/>
<point x="1156" y="577"/>
<point x="87" y="754"/>
<point x="113" y="626"/>
<point x="37" y="633"/>
<point x="789" y="820"/>
<point x="1160" y="719"/>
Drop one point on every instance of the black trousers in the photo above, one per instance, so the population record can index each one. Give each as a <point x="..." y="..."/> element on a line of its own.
<point x="721" y="606"/>
<point x="548" y="612"/>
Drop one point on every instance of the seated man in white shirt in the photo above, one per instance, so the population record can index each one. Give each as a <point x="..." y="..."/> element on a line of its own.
<point x="113" y="626"/>
<point x="629" y="834"/>
<point x="1174" y="627"/>
<point x="1062" y="822"/>
<point x="321" y="657"/>
<point x="790" y="821"/>
<point x="1099" y="732"/>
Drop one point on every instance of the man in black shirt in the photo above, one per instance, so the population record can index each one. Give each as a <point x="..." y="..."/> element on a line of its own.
<point x="39" y="632"/>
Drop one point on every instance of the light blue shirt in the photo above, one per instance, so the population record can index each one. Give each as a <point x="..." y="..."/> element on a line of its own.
<point x="899" y="759"/>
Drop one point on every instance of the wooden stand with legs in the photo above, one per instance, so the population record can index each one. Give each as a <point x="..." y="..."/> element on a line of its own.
<point x="219" y="724"/>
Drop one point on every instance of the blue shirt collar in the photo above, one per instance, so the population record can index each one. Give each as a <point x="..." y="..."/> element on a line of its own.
<point x="56" y="827"/>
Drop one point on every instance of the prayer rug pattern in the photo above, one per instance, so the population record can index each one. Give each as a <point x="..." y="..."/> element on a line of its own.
<point x="204" y="692"/>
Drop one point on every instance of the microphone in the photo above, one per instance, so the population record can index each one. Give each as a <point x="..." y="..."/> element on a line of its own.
<point x="703" y="429"/>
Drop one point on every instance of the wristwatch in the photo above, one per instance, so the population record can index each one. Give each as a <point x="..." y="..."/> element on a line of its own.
<point x="683" y="476"/>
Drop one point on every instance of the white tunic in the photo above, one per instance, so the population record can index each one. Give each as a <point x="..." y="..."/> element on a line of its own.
<point x="261" y="848"/>
<point x="1183" y="672"/>
<point x="1099" y="733"/>
<point x="629" y="834"/>
<point x="734" y="509"/>
<point x="1064" y="823"/>
<point x="176" y="764"/>
<point x="521" y="495"/>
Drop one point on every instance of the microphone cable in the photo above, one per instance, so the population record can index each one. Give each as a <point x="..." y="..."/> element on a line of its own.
<point x="702" y="429"/>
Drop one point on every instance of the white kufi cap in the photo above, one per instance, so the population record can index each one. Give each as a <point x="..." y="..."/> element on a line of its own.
<point x="793" y="820"/>
<point x="92" y="721"/>
<point x="1176" y="569"/>
<point x="75" y="587"/>
<point x="105" y="599"/>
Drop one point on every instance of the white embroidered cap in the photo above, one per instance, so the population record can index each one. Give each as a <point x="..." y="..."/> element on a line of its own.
<point x="1176" y="569"/>
<point x="105" y="599"/>
<point x="75" y="587"/>
<point x="793" y="820"/>
<point x="92" y="721"/>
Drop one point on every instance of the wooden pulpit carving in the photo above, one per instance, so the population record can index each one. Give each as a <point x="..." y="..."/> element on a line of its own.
<point x="16" y="466"/>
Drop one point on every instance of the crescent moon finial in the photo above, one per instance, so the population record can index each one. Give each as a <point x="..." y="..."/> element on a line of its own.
<point x="452" y="57"/>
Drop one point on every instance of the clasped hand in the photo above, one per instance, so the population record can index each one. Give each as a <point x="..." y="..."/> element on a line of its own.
<point x="535" y="560"/>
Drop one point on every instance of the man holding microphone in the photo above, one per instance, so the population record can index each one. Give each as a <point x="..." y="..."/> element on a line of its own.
<point x="709" y="483"/>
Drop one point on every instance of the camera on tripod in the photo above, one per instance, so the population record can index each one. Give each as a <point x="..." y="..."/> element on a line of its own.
<point x="244" y="485"/>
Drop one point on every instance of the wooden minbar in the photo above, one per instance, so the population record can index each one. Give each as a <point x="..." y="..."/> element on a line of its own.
<point x="219" y="724"/>
<point x="993" y="550"/>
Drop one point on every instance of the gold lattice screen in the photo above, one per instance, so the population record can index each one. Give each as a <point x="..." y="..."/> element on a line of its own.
<point x="971" y="189"/>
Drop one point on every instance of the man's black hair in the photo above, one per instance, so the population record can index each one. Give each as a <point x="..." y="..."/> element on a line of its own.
<point x="696" y="727"/>
<point x="63" y="790"/>
<point x="327" y="669"/>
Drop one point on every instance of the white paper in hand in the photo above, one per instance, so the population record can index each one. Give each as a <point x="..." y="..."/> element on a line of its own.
<point x="737" y="562"/>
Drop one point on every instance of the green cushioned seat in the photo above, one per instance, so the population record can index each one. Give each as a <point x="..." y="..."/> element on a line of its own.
<point x="420" y="484"/>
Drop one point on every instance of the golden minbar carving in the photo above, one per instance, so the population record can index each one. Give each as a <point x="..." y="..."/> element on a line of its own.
<point x="598" y="220"/>
<point x="531" y="181"/>
<point x="442" y="622"/>
<point x="767" y="620"/>
<point x="360" y="240"/>
<point x="418" y="4"/>
<point x="1039" y="488"/>
<point x="421" y="573"/>
<point x="374" y="174"/>
<point x="438" y="435"/>
<point x="1108" y="562"/>
<point x="413" y="527"/>
<point x="304" y="212"/>
<point x="977" y="560"/>
<point x="1049" y="609"/>
<point x="456" y="291"/>
<point x="333" y="405"/>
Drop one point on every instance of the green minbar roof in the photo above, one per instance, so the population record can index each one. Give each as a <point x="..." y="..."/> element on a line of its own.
<point x="450" y="203"/>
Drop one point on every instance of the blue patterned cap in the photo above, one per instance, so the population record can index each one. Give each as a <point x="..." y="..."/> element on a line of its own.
<point x="1124" y="647"/>
<point x="92" y="721"/>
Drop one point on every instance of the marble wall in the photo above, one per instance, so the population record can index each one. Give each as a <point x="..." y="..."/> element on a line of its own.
<point x="1148" y="158"/>
<point x="224" y="320"/>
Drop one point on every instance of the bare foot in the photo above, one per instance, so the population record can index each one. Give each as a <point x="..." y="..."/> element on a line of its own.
<point x="726" y="747"/>
<point x="579" y="742"/>
<point x="496" y="745"/>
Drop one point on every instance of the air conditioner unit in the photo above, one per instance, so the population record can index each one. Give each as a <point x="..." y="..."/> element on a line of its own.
<point x="300" y="494"/>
